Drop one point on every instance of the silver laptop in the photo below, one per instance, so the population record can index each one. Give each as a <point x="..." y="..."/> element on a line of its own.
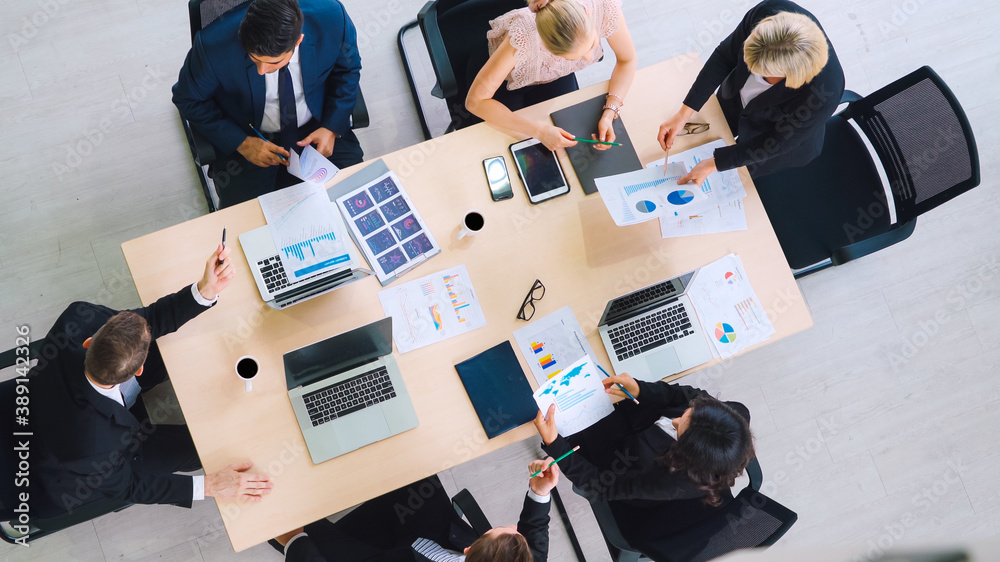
<point x="272" y="282"/>
<point x="347" y="391"/>
<point x="654" y="332"/>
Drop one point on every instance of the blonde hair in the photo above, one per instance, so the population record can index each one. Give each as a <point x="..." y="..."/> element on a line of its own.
<point x="561" y="24"/>
<point x="789" y="45"/>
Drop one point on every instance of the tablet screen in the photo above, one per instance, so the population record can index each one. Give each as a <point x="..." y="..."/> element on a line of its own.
<point x="539" y="168"/>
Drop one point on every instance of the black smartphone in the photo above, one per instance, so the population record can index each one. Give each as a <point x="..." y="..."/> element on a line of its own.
<point x="496" y="176"/>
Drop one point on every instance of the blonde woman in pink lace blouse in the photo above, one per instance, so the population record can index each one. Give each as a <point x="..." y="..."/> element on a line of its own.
<point x="536" y="50"/>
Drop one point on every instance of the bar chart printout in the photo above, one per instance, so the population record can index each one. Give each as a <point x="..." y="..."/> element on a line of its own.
<point x="306" y="229"/>
<point x="579" y="397"/>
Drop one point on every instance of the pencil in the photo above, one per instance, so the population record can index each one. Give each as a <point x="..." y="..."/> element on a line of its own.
<point x="597" y="142"/>
<point x="219" y="262"/>
<point x="568" y="453"/>
<point x="627" y="393"/>
<point x="254" y="129"/>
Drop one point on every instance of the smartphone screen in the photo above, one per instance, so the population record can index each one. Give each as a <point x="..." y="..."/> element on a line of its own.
<point x="496" y="175"/>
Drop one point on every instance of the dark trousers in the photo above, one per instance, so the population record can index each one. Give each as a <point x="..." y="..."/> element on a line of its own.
<point x="237" y="180"/>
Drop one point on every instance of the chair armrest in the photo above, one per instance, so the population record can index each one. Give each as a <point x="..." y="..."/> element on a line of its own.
<point x="849" y="96"/>
<point x="427" y="19"/>
<point x="359" y="117"/>
<point x="863" y="248"/>
<point x="202" y="150"/>
<point x="9" y="358"/>
<point x="465" y="505"/>
<point x="755" y="473"/>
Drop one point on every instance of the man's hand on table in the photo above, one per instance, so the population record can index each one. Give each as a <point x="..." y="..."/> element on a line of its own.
<point x="235" y="483"/>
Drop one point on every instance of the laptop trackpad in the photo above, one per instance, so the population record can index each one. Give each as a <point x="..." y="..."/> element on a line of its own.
<point x="663" y="362"/>
<point x="362" y="428"/>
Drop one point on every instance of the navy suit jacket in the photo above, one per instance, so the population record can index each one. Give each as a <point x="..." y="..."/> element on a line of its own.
<point x="782" y="127"/>
<point x="89" y="446"/>
<point x="220" y="92"/>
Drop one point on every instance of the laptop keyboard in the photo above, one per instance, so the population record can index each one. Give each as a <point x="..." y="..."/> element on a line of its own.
<point x="641" y="297"/>
<point x="649" y="332"/>
<point x="346" y="397"/>
<point x="274" y="275"/>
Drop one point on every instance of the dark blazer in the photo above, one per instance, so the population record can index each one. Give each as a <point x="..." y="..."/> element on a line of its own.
<point x="533" y="524"/>
<point x="88" y="446"/>
<point x="780" y="128"/>
<point x="220" y="92"/>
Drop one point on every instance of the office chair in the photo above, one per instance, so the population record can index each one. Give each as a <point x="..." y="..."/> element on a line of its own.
<point x="751" y="519"/>
<point x="40" y="527"/>
<point x="834" y="209"/>
<point x="452" y="31"/>
<point x="201" y="14"/>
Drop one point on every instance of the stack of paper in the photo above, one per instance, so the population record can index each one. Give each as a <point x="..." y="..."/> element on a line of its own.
<point x="552" y="343"/>
<point x="311" y="167"/>
<point x="725" y="188"/>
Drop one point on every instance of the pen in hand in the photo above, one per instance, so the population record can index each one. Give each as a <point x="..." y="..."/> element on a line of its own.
<point x="219" y="261"/>
<point x="254" y="129"/>
<point x="627" y="393"/>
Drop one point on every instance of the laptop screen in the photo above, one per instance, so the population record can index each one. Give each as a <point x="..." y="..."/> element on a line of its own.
<point x="338" y="354"/>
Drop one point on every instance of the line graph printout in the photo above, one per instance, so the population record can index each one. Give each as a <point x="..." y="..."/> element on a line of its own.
<point x="306" y="229"/>
<point x="642" y="195"/>
<point x="552" y="343"/>
<point x="432" y="309"/>
<point x="579" y="397"/>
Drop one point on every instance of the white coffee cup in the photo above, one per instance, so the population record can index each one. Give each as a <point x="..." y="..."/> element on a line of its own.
<point x="472" y="223"/>
<point x="247" y="368"/>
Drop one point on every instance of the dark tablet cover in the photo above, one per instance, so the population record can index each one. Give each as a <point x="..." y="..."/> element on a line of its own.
<point x="499" y="391"/>
<point x="580" y="120"/>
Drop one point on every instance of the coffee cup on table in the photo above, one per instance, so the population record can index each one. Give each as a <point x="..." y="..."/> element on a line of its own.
<point x="473" y="222"/>
<point x="247" y="368"/>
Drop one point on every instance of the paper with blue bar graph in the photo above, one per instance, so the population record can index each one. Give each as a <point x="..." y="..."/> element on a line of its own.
<point x="579" y="397"/>
<point x="552" y="343"/>
<point x="433" y="308"/>
<point x="306" y="229"/>
<point x="647" y="194"/>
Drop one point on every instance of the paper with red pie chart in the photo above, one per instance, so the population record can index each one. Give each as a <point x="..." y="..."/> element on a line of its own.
<point x="728" y="308"/>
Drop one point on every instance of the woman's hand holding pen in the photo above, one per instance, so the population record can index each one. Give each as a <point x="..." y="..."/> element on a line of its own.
<point x="553" y="137"/>
<point x="546" y="425"/>
<point x="623" y="379"/>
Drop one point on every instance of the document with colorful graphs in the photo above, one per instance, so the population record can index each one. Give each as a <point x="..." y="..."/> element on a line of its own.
<point x="643" y="195"/>
<point x="728" y="307"/>
<point x="579" y="397"/>
<point x="433" y="308"/>
<point x="552" y="343"/>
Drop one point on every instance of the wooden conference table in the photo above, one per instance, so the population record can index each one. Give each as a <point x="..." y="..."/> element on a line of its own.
<point x="570" y="243"/>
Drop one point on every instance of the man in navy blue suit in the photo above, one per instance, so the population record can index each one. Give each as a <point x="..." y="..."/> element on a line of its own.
<point x="286" y="68"/>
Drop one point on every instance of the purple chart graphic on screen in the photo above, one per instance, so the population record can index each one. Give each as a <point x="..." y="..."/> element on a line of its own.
<point x="419" y="244"/>
<point x="383" y="190"/>
<point x="380" y="241"/>
<point x="395" y="208"/>
<point x="369" y="223"/>
<point x="358" y="203"/>
<point x="392" y="260"/>
<point x="406" y="227"/>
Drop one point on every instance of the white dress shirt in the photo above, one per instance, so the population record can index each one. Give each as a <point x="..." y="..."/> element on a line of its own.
<point x="272" y="108"/>
<point x="115" y="393"/>
<point x="755" y="86"/>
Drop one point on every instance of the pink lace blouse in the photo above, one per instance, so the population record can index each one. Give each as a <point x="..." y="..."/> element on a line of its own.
<point x="534" y="64"/>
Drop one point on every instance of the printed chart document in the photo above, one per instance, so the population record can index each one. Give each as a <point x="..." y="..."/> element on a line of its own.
<point x="725" y="187"/>
<point x="728" y="307"/>
<point x="579" y="397"/>
<point x="388" y="228"/>
<point x="432" y="309"/>
<point x="311" y="166"/>
<point x="646" y="194"/>
<point x="306" y="229"/>
<point x="552" y="343"/>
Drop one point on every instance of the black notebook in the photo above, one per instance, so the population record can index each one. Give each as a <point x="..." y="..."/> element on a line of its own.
<point x="580" y="120"/>
<point x="499" y="391"/>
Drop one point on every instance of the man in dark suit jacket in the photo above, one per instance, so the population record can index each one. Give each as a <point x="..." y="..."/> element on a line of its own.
<point x="291" y="71"/>
<point x="385" y="530"/>
<point x="93" y="436"/>
<point x="783" y="122"/>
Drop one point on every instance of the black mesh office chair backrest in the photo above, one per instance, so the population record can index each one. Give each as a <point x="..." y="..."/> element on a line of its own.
<point x="923" y="138"/>
<point x="203" y="12"/>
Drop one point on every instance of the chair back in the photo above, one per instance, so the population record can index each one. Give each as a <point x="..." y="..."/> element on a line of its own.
<point x="923" y="138"/>
<point x="202" y="13"/>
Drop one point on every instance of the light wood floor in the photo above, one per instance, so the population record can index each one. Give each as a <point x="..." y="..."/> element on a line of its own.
<point x="878" y="426"/>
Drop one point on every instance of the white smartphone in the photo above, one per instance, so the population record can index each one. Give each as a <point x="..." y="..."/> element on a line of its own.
<point x="539" y="170"/>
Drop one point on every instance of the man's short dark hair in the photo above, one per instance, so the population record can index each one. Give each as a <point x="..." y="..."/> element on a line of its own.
<point x="271" y="28"/>
<point x="118" y="350"/>
<point x="508" y="547"/>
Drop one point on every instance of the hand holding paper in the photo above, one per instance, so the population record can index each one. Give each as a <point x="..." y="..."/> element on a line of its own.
<point x="578" y="396"/>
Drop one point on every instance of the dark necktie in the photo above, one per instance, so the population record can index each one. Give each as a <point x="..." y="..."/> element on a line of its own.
<point x="286" y="107"/>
